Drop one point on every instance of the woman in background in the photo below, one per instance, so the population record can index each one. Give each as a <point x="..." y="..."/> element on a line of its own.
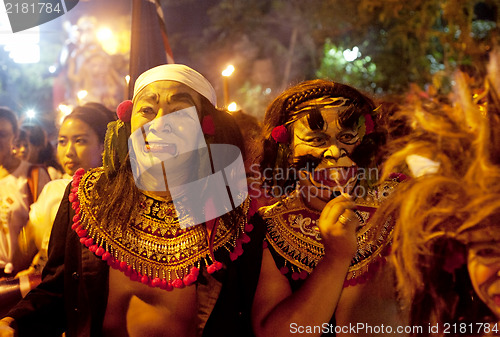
<point x="80" y="144"/>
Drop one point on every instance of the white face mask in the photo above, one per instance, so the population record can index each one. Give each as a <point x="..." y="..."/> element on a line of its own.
<point x="164" y="148"/>
<point x="169" y="154"/>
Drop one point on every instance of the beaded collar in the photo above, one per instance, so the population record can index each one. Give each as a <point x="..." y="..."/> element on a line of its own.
<point x="292" y="234"/>
<point x="154" y="249"/>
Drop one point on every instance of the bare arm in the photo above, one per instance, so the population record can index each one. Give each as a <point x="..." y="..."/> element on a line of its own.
<point x="6" y="329"/>
<point x="275" y="307"/>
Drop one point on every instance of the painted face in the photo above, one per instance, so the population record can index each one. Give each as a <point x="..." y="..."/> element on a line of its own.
<point x="6" y="140"/>
<point x="78" y="146"/>
<point x="165" y="131"/>
<point x="333" y="145"/>
<point x="483" y="262"/>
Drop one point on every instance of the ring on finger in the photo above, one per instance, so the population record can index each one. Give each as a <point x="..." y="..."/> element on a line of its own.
<point x="343" y="219"/>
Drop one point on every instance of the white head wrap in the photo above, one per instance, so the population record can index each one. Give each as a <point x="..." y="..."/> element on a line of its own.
<point x="178" y="73"/>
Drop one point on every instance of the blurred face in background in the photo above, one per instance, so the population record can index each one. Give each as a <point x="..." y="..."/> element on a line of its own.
<point x="21" y="148"/>
<point x="78" y="146"/>
<point x="6" y="141"/>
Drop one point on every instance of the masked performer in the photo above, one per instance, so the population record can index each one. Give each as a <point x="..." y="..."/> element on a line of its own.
<point x="155" y="243"/>
<point x="326" y="261"/>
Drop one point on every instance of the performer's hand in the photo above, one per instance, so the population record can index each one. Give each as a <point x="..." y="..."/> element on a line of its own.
<point x="5" y="327"/>
<point x="338" y="224"/>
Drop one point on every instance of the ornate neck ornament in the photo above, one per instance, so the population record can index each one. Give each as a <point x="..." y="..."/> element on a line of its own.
<point x="154" y="249"/>
<point x="293" y="235"/>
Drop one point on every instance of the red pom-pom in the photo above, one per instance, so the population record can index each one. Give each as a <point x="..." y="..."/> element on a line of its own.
<point x="177" y="283"/>
<point x="113" y="263"/>
<point x="280" y="134"/>
<point x="254" y="207"/>
<point x="79" y="172"/>
<point x="124" y="111"/>
<point x="75" y="225"/>
<point x="245" y="238"/>
<point x="303" y="275"/>
<point x="248" y="227"/>
<point x="207" y="125"/>
<point x="211" y="268"/>
<point x="238" y="250"/>
<point x="123" y="266"/>
<point x="105" y="256"/>
<point x="145" y="279"/>
<point x="399" y="177"/>
<point x="81" y="232"/>
<point x="233" y="256"/>
<point x="194" y="271"/>
<point x="156" y="282"/>
<point x="167" y="285"/>
<point x="189" y="279"/>
<point x="284" y="270"/>
<point x="99" y="251"/>
<point x="369" y="124"/>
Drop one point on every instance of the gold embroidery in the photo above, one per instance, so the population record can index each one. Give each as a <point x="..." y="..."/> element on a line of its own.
<point x="290" y="227"/>
<point x="154" y="244"/>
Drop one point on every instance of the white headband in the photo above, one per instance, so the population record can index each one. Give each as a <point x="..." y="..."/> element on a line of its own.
<point x="178" y="73"/>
